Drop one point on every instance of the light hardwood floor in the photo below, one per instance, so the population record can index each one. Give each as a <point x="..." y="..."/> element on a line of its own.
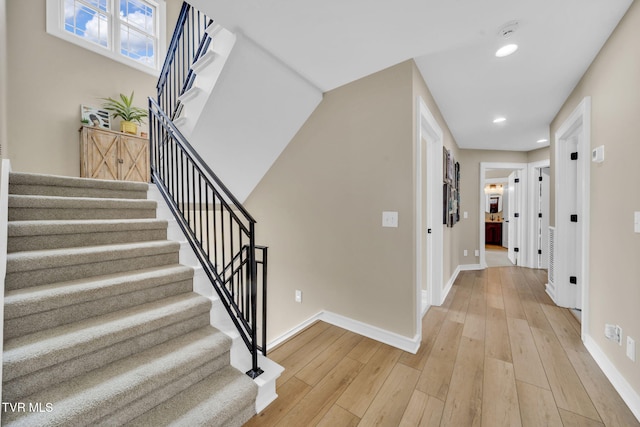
<point x="497" y="353"/>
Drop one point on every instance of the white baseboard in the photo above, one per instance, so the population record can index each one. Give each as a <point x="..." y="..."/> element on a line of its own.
<point x="391" y="338"/>
<point x="450" y="283"/>
<point x="628" y="394"/>
<point x="291" y="332"/>
<point x="410" y="345"/>
<point x="424" y="303"/>
<point x="454" y="276"/>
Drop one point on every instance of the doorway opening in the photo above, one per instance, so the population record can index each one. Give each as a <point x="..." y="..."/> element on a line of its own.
<point x="569" y="284"/>
<point x="502" y="214"/>
<point x="539" y="207"/>
<point x="429" y="233"/>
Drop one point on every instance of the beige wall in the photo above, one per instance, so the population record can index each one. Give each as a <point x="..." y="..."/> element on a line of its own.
<point x="48" y="79"/>
<point x="613" y="83"/>
<point x="543" y="153"/>
<point x="319" y="209"/>
<point x="3" y="80"/>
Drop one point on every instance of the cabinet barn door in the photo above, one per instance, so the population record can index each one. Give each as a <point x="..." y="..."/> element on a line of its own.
<point x="134" y="153"/>
<point x="102" y="155"/>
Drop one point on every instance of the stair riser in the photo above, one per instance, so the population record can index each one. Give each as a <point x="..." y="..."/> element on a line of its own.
<point x="73" y="313"/>
<point x="24" y="279"/>
<point x="241" y="417"/>
<point x="58" y="241"/>
<point x="125" y="414"/>
<point x="70" y="365"/>
<point x="30" y="214"/>
<point x="49" y="190"/>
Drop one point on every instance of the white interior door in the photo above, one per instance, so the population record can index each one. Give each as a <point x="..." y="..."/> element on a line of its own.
<point x="569" y="286"/>
<point x="513" y="218"/>
<point x="543" y="219"/>
<point x="505" y="217"/>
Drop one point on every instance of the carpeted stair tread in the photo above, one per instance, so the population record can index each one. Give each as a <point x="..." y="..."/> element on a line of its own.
<point x="51" y="202"/>
<point x="85" y="399"/>
<point x="30" y="353"/>
<point x="29" y="310"/>
<point x="51" y="258"/>
<point x="101" y="320"/>
<point x="22" y="302"/>
<point x="45" y="227"/>
<point x="32" y="268"/>
<point x="28" y="183"/>
<point x="214" y="401"/>
<point x="25" y="208"/>
<point x="51" y="234"/>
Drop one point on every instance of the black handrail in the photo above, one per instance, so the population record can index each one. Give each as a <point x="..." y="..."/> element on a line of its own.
<point x="218" y="228"/>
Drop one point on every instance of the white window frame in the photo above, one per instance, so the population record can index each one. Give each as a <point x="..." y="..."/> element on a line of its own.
<point x="55" y="27"/>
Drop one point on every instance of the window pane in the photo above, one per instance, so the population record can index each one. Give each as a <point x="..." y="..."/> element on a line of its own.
<point x="138" y="14"/>
<point x="137" y="45"/>
<point x="87" y="23"/>
<point x="102" y="5"/>
<point x="70" y="6"/>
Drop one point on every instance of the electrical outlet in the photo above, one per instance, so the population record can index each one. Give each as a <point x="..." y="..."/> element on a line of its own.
<point x="631" y="348"/>
<point x="298" y="295"/>
<point x="466" y="252"/>
<point x="618" y="335"/>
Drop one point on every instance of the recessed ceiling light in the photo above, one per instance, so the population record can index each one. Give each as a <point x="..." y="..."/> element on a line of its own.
<point x="499" y="120"/>
<point x="540" y="141"/>
<point x="506" y="50"/>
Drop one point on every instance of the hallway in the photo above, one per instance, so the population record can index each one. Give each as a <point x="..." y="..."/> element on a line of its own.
<point x="498" y="352"/>
<point x="496" y="256"/>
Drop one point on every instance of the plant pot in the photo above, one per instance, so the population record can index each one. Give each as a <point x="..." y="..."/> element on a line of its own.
<point x="128" y="127"/>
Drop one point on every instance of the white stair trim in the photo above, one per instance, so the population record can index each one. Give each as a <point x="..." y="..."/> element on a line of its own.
<point x="220" y="319"/>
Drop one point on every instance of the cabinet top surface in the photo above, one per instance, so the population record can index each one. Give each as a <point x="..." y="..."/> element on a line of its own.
<point x="115" y="132"/>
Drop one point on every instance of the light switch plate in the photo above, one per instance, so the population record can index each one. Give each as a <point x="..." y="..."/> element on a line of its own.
<point x="465" y="215"/>
<point x="636" y="222"/>
<point x="389" y="219"/>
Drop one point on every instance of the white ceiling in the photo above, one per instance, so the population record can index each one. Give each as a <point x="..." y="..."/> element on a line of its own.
<point x="334" y="42"/>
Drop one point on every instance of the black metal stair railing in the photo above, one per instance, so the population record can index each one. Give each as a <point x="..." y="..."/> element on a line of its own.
<point x="218" y="228"/>
<point x="189" y="43"/>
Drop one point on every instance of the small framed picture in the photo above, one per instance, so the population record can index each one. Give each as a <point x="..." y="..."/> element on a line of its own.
<point x="94" y="117"/>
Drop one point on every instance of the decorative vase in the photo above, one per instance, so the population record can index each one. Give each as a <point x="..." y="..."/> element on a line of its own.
<point x="128" y="127"/>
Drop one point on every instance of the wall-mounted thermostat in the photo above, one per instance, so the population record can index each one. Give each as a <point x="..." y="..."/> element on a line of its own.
<point x="597" y="155"/>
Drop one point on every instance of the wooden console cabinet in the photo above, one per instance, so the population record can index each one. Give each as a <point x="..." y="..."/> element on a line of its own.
<point x="493" y="233"/>
<point x="107" y="154"/>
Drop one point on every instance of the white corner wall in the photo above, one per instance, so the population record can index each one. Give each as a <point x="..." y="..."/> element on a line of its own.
<point x="257" y="106"/>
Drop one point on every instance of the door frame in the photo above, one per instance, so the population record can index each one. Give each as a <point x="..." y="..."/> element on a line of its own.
<point x="520" y="204"/>
<point x="429" y="199"/>
<point x="580" y="117"/>
<point x="534" y="169"/>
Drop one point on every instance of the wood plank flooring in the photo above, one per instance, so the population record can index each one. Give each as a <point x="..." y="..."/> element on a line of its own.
<point x="498" y="352"/>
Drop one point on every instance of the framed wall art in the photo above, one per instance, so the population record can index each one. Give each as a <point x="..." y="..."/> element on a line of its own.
<point x="97" y="117"/>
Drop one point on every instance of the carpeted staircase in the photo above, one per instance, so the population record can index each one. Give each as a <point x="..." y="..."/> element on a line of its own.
<point x="101" y="325"/>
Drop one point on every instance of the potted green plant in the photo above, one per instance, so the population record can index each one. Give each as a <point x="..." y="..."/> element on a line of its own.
<point x="124" y="109"/>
